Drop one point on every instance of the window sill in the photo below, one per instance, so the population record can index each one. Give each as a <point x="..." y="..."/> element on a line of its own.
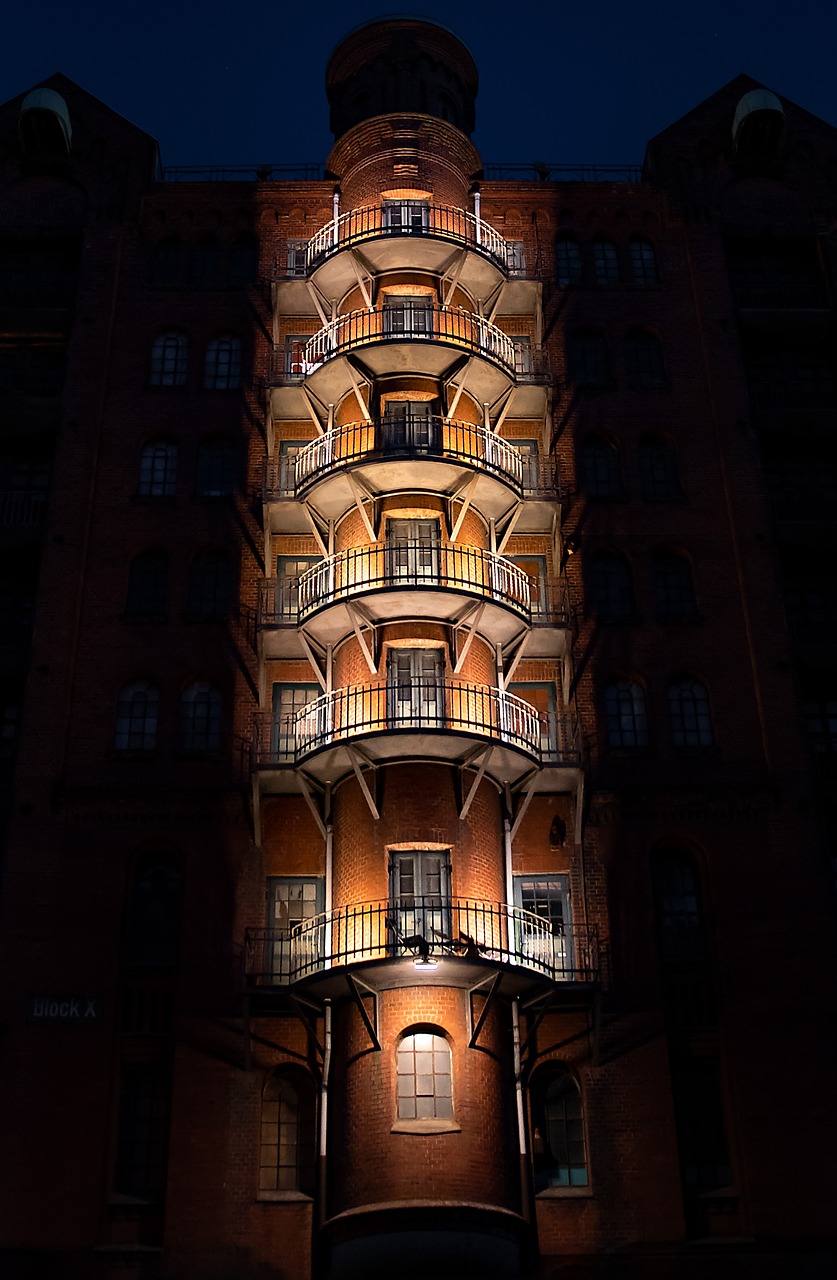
<point x="426" y="1126"/>
<point x="283" y="1197"/>
<point x="565" y="1193"/>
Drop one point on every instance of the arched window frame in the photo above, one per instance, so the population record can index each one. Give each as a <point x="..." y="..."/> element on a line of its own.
<point x="690" y="716"/>
<point x="600" y="473"/>
<point x="287" y="1137"/>
<point x="222" y="363"/>
<point x="559" y="1147"/>
<point x="644" y="270"/>
<point x="169" y="359"/>
<point x="201" y="718"/>
<point x="626" y="714"/>
<point x="137" y="710"/>
<point x="568" y="261"/>
<point x="612" y="583"/>
<point x="605" y="262"/>
<point x="157" y="469"/>
<point x="424" y="1080"/>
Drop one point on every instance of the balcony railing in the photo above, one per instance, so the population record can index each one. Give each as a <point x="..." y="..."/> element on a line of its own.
<point x="22" y="508"/>
<point x="428" y="928"/>
<point x="550" y="604"/>
<point x="404" y="563"/>
<point x="425" y="437"/>
<point x="442" y="222"/>
<point x="425" y="322"/>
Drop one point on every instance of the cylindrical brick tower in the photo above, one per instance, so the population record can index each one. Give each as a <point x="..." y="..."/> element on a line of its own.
<point x="406" y="423"/>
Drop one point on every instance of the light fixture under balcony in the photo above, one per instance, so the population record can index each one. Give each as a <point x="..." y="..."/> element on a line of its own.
<point x="425" y="964"/>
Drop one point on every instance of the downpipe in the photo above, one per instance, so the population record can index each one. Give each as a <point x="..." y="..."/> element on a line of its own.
<point x="322" y="1171"/>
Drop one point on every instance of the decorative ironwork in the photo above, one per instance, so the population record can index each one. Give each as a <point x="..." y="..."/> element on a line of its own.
<point x="440" y="222"/>
<point x="421" y="927"/>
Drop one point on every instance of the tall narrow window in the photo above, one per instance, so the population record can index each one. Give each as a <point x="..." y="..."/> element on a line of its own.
<point x="200" y="718"/>
<point x="143" y="1132"/>
<point x="148" y="585"/>
<point x="673" y="585"/>
<point x="169" y="354"/>
<point x="605" y="262"/>
<point x="158" y="470"/>
<point x="677" y="905"/>
<point x="643" y="262"/>
<point x="243" y="260"/>
<point x="424" y="1077"/>
<point x="413" y="551"/>
<point x="567" y="261"/>
<point x="415" y="688"/>
<point x="548" y="898"/>
<point x="287" y="735"/>
<point x="215" y="474"/>
<point x="587" y="360"/>
<point x="136" y="717"/>
<point x="599" y="469"/>
<point x="689" y="716"/>
<point x="626" y="715"/>
<point x="294" y="901"/>
<point x="154" y="909"/>
<point x="558" y="1146"/>
<point x="419" y="892"/>
<point x="613" y="587"/>
<point x="209" y="590"/>
<point x="657" y="465"/>
<point x="222" y="364"/>
<point x="287" y="1148"/>
<point x="644" y="360"/>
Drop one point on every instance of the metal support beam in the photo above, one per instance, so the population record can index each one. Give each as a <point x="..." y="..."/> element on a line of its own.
<point x="459" y="389"/>
<point x="524" y="805"/>
<point x="480" y="774"/>
<point x="489" y="1000"/>
<point x="367" y="417"/>
<point x="306" y="1021"/>
<point x="316" y="660"/>
<point x="501" y="416"/>
<point x="517" y="653"/>
<point x="364" y="280"/>
<point x="310" y="406"/>
<point x="367" y="794"/>
<point x="311" y="802"/>
<point x="451" y="276"/>
<point x="509" y="528"/>
<point x="361" y="639"/>
<point x="465" y="498"/>
<point x="315" y="528"/>
<point x="371" y="1028"/>
<point x="358" y="495"/>
<point x="317" y="299"/>
<point x="493" y="301"/>
<point x="472" y="631"/>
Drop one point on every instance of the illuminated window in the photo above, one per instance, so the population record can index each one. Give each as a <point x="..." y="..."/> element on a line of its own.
<point x="423" y="1070"/>
<point x="558" y="1147"/>
<point x="136" y="717"/>
<point x="222" y="364"/>
<point x="643" y="262"/>
<point x="148" y="585"/>
<point x="158" y="470"/>
<point x="169" y="354"/>
<point x="689" y="717"/>
<point x="287" y="1147"/>
<point x="673" y="586"/>
<point x="626" y="714"/>
<point x="605" y="262"/>
<point x="567" y="261"/>
<point x="200" y="718"/>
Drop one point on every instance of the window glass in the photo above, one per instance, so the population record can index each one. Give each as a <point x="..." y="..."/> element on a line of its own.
<point x="673" y="586"/>
<point x="169" y="354"/>
<point x="688" y="709"/>
<point x="136" y="717"/>
<point x="626" y="714"/>
<point x="423" y="1072"/>
<point x="605" y="262"/>
<point x="657" y="469"/>
<point x="613" y="588"/>
<point x="143" y="1132"/>
<point x="567" y="261"/>
<point x="200" y="718"/>
<point x="215" y="473"/>
<point x="158" y="470"/>
<point x="587" y="360"/>
<point x="286" y="1147"/>
<point x="599" y="468"/>
<point x="643" y="262"/>
<point x="558" y="1146"/>
<point x="148" y="584"/>
<point x="209" y="591"/>
<point x="154" y="910"/>
<point x="644" y="360"/>
<point x="222" y="364"/>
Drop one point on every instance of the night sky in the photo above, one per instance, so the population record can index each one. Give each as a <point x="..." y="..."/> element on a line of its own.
<point x="564" y="83"/>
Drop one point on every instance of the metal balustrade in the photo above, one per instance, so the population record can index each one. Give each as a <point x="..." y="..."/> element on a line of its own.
<point x="22" y="508"/>
<point x="404" y="563"/>
<point x="426" y="928"/>
<point x="551" y="604"/>
<point x="441" y="222"/>
<point x="420" y="437"/>
<point x="419" y="321"/>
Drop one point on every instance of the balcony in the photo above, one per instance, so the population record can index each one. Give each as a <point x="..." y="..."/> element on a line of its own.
<point x="551" y="620"/>
<point x="407" y="235"/>
<point x="405" y="455"/>
<point x="425" y="719"/>
<point x="417" y="337"/>
<point x="428" y="940"/>
<point x="403" y="578"/>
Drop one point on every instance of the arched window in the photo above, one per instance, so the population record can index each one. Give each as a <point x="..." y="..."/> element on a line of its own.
<point x="657" y="466"/>
<point x="423" y="1069"/>
<point x="154" y="909"/>
<point x="613" y="587"/>
<point x="215" y="472"/>
<point x="200" y="718"/>
<point x="643" y="262"/>
<point x="158" y="470"/>
<point x="244" y="260"/>
<point x="558" y="1147"/>
<point x="599" y="468"/>
<point x="587" y="360"/>
<point x="169" y="354"/>
<point x="286" y="1147"/>
<point x="148" y="586"/>
<point x="206" y="263"/>
<point x="680" y="926"/>
<point x="222" y="364"/>
<point x="626" y="714"/>
<point x="673" y="585"/>
<point x="688" y="710"/>
<point x="209" y="594"/>
<point x="644" y="360"/>
<point x="605" y="262"/>
<point x="168" y="263"/>
<point x="136" y="717"/>
<point x="567" y="261"/>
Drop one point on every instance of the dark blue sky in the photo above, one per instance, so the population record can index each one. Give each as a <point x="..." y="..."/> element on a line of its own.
<point x="237" y="83"/>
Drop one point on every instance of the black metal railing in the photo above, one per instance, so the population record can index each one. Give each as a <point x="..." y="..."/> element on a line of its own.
<point x="411" y="218"/>
<point x="428" y="929"/>
<point x="551" y="604"/>
<point x="22" y="508"/>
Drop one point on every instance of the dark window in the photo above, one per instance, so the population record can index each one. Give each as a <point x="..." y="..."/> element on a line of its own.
<point x="293" y="901"/>
<point x="605" y="262"/>
<point x="143" y="1132"/>
<point x="701" y="1127"/>
<point x="673" y="586"/>
<point x="296" y="365"/>
<point x="406" y="215"/>
<point x="215" y="473"/>
<point x="200" y="718"/>
<point x="154" y="909"/>
<point x="148" y="586"/>
<point x="599" y="468"/>
<point x="644" y="360"/>
<point x="567" y="261"/>
<point x="169" y="355"/>
<point x="677" y="905"/>
<point x="558" y="1146"/>
<point x="136" y="717"/>
<point x="158" y="470"/>
<point x="515" y="257"/>
<point x="689" y="716"/>
<point x="168" y="267"/>
<point x="9" y="729"/>
<point x="423" y="1073"/>
<point x="209" y="591"/>
<point x="523" y="363"/>
<point x="587" y="360"/>
<point x="244" y="260"/>
<point x="820" y="713"/>
<point x="288" y="702"/>
<point x="643" y="262"/>
<point x="297" y="259"/>
<point x="626" y="714"/>
<point x="206" y="263"/>
<point x="222" y="364"/>
<point x="286" y="1147"/>
<point x="289" y="570"/>
<point x="657" y="465"/>
<point x="613" y="587"/>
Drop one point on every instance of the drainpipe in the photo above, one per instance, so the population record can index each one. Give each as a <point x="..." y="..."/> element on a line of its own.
<point x="507" y="843"/>
<point x="335" y="205"/>
<point x="329" y="841"/>
<point x="525" y="1196"/>
<point x="478" y="224"/>
<point x="322" y="1177"/>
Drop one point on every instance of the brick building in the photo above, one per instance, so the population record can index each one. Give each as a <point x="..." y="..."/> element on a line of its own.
<point x="420" y="714"/>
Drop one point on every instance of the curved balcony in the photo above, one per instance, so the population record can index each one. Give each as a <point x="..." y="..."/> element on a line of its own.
<point x="409" y="235"/>
<point x="415" y="455"/>
<point x="456" y="935"/>
<point x="417" y="337"/>
<point x="403" y="578"/>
